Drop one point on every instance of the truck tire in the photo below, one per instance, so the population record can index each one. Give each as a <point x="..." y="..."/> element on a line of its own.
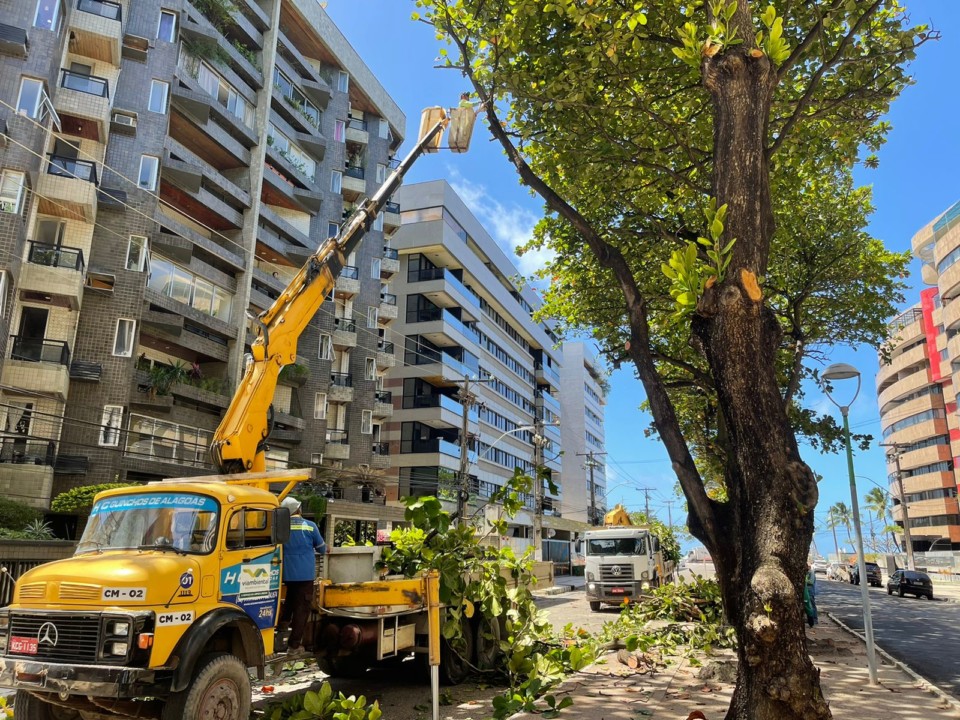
<point x="487" y="643"/>
<point x="456" y="663"/>
<point x="345" y="666"/>
<point x="594" y="606"/>
<point x="30" y="707"/>
<point x="220" y="688"/>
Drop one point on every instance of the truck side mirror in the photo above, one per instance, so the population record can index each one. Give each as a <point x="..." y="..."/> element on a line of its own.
<point x="578" y="545"/>
<point x="281" y="525"/>
<point x="656" y="544"/>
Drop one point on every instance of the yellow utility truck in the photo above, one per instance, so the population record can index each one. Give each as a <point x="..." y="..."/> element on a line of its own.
<point x="175" y="587"/>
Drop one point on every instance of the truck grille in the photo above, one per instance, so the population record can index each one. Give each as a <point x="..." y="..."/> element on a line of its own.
<point x="616" y="573"/>
<point x="77" y="636"/>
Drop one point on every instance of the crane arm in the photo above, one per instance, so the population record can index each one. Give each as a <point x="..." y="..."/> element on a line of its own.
<point x="239" y="443"/>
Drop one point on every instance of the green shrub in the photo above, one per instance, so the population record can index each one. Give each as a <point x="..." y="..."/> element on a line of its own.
<point x="80" y="499"/>
<point x="15" y="515"/>
<point x="323" y="705"/>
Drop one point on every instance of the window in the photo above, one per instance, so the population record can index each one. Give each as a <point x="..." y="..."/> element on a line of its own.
<point x="320" y="406"/>
<point x="159" y="91"/>
<point x="48" y="15"/>
<point x="370" y="369"/>
<point x="173" y="281"/>
<point x="384" y="131"/>
<point x="372" y="316"/>
<point x="110" y="424"/>
<point x="123" y="340"/>
<point x="149" y="166"/>
<point x="3" y="292"/>
<point x="326" y="347"/>
<point x="366" y="422"/>
<point x="137" y="253"/>
<point x="336" y="181"/>
<point x="378" y="222"/>
<point x="343" y="81"/>
<point x="31" y="96"/>
<point x="249" y="527"/>
<point x="167" y="29"/>
<point x="381" y="173"/>
<point x="11" y="191"/>
<point x="375" y="268"/>
<point x="332" y="229"/>
<point x="340" y="131"/>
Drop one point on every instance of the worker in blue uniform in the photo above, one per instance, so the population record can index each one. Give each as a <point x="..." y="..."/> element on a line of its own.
<point x="299" y="571"/>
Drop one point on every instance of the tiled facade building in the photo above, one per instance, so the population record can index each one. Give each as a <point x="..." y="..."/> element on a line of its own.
<point x="165" y="171"/>
<point x="917" y="393"/>
<point x="584" y="457"/>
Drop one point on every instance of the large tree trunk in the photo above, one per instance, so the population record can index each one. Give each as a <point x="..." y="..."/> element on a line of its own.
<point x="772" y="493"/>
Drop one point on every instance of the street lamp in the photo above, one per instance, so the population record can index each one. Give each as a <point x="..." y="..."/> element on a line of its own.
<point x="843" y="371"/>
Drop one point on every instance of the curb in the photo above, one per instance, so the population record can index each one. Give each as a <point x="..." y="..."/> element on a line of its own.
<point x="900" y="665"/>
<point x="555" y="590"/>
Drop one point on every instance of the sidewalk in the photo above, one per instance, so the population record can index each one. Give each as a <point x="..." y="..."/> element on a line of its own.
<point x="945" y="590"/>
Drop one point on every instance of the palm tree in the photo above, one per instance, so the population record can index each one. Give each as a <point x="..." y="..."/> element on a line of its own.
<point x="838" y="514"/>
<point x="877" y="501"/>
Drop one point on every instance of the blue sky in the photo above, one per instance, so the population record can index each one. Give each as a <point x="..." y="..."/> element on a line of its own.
<point x="915" y="182"/>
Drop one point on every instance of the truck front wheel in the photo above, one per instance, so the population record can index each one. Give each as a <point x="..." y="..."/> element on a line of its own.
<point x="30" y="707"/>
<point x="595" y="606"/>
<point x="220" y="689"/>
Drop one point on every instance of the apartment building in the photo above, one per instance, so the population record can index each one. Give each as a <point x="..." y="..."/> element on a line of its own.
<point x="166" y="168"/>
<point x="462" y="318"/>
<point x="917" y="397"/>
<point x="584" y="453"/>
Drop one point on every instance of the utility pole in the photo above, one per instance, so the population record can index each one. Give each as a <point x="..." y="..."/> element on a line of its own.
<point x="646" y="502"/>
<point x="467" y="400"/>
<point x="669" y="504"/>
<point x="538" y="442"/>
<point x="593" y="516"/>
<point x="908" y="543"/>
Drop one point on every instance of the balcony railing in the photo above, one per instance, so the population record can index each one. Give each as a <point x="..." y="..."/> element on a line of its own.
<point x="341" y="379"/>
<point x="337" y="436"/>
<point x="72" y="168"/>
<point x="388" y="298"/>
<point x="357" y="124"/>
<point x="89" y="84"/>
<point x="39" y="350"/>
<point x="392" y="207"/>
<point x="425" y="274"/>
<point x="353" y="171"/>
<point x="55" y="256"/>
<point x="103" y="8"/>
<point x="430" y="445"/>
<point x="381" y="448"/>
<point x="345" y="324"/>
<point x="548" y="371"/>
<point x="385" y="347"/>
<point x="351" y="272"/>
<point x="432" y="401"/>
<point x="27" y="452"/>
<point x="390" y="253"/>
<point x="383" y="396"/>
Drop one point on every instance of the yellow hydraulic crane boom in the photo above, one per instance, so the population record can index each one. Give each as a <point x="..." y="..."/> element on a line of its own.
<point x="239" y="443"/>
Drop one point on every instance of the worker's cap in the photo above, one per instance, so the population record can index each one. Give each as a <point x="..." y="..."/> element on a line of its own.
<point x="291" y="502"/>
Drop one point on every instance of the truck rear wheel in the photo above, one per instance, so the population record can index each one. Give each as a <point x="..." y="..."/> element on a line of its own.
<point x="220" y="688"/>
<point x="455" y="662"/>
<point x="488" y="643"/>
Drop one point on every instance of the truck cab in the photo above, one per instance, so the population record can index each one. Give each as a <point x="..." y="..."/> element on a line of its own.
<point x="167" y="578"/>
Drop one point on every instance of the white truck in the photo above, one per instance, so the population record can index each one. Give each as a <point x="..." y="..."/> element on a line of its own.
<point x="622" y="560"/>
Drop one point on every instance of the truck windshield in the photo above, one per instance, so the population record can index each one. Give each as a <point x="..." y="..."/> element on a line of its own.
<point x="616" y="546"/>
<point x="178" y="522"/>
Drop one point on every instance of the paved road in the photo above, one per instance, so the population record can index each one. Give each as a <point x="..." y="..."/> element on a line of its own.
<point x="923" y="634"/>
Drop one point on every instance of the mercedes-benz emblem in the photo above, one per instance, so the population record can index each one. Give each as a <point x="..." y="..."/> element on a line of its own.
<point x="615" y="570"/>
<point x="48" y="635"/>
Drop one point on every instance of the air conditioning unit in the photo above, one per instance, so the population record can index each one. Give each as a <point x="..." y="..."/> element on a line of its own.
<point x="124" y="119"/>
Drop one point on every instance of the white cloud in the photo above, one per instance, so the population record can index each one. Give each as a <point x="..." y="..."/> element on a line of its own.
<point x="511" y="226"/>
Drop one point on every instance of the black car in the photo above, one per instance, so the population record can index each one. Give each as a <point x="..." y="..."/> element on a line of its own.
<point x="910" y="582"/>
<point x="873" y="574"/>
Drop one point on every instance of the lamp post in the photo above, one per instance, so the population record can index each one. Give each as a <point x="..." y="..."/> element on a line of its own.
<point x="843" y="371"/>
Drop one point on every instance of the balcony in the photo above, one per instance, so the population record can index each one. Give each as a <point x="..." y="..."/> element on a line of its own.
<point x="546" y="375"/>
<point x="54" y="271"/>
<point x="386" y="357"/>
<point x="38" y="365"/>
<point x="436" y="410"/>
<point x="68" y="189"/>
<point x="338" y="444"/>
<point x="13" y="41"/>
<point x="23" y="451"/>
<point x="83" y="103"/>
<point x="381" y="455"/>
<point x="357" y="131"/>
<point x="341" y="387"/>
<point x="391" y="217"/>
<point x="430" y="445"/>
<point x="388" y="306"/>
<point x="442" y="328"/>
<point x="353" y="185"/>
<point x="383" y="404"/>
<point x="348" y="282"/>
<point x="444" y="289"/>
<point x="390" y="264"/>
<point x="96" y="30"/>
<point x="545" y="399"/>
<point x="344" y="333"/>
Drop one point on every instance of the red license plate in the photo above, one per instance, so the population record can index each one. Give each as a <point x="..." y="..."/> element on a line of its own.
<point x="613" y="591"/>
<point x="23" y="645"/>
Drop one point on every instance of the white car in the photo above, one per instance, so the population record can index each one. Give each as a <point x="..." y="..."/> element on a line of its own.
<point x="820" y="567"/>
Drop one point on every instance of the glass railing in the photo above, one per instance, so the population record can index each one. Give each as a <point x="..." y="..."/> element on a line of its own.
<point x="72" y="168"/>
<point x="351" y="272"/>
<point x="55" y="256"/>
<point x="357" y="124"/>
<point x="337" y="436"/>
<point x="392" y="207"/>
<point x="548" y="372"/>
<point x="108" y="10"/>
<point x="383" y="396"/>
<point x="353" y="171"/>
<point x="345" y="324"/>
<point x="448" y="448"/>
<point x="390" y="253"/>
<point x="39" y="350"/>
<point x="89" y="84"/>
<point x="388" y="298"/>
<point x="385" y="347"/>
<point x="416" y="402"/>
<point x="341" y="379"/>
<point x="470" y="332"/>
<point x="381" y="448"/>
<point x="425" y="274"/>
<point x="548" y="399"/>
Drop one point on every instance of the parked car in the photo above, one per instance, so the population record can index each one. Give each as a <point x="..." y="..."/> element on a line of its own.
<point x="873" y="574"/>
<point x="910" y="582"/>
<point x="834" y="572"/>
<point x="820" y="567"/>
